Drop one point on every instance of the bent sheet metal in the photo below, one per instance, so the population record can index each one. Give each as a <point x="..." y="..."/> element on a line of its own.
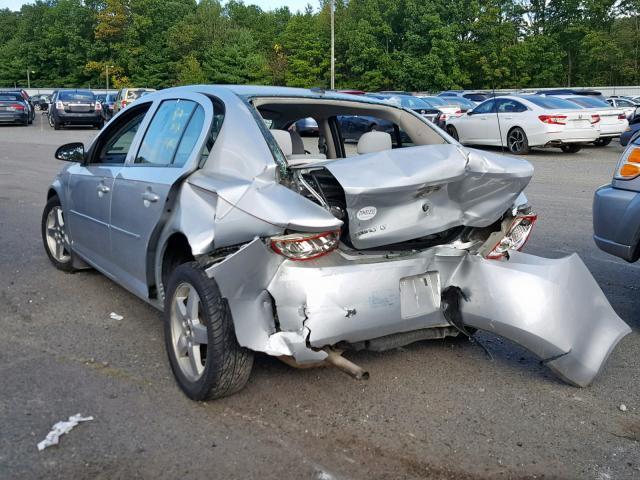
<point x="553" y="308"/>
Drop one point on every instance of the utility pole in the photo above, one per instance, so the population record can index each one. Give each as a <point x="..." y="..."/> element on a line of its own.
<point x="333" y="47"/>
<point x="29" y="78"/>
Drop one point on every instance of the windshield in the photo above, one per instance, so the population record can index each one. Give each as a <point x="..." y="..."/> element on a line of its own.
<point x="589" y="102"/>
<point x="461" y="102"/>
<point x="76" y="97"/>
<point x="436" y="102"/>
<point x="10" y="97"/>
<point x="551" y="103"/>
<point x="407" y="101"/>
<point x="476" y="97"/>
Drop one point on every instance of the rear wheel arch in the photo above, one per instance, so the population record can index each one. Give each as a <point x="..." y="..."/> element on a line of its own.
<point x="175" y="251"/>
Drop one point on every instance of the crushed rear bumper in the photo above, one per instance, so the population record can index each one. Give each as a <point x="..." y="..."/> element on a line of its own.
<point x="553" y="308"/>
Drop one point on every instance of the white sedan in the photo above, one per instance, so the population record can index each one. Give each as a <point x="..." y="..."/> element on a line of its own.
<point x="629" y="106"/>
<point x="520" y="122"/>
<point x="613" y="121"/>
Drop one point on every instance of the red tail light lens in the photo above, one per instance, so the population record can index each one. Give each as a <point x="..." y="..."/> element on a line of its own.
<point x="595" y="118"/>
<point x="516" y="236"/>
<point x="305" y="246"/>
<point x="16" y="107"/>
<point x="459" y="112"/>
<point x="553" y="119"/>
<point x="622" y="116"/>
<point x="123" y="103"/>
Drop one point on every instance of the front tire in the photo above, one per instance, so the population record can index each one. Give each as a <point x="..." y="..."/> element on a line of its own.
<point x="203" y="351"/>
<point x="571" y="148"/>
<point x="602" y="142"/>
<point x="56" y="124"/>
<point x="55" y="236"/>
<point x="517" y="142"/>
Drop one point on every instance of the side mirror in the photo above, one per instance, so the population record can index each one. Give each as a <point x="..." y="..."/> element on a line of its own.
<point x="71" y="152"/>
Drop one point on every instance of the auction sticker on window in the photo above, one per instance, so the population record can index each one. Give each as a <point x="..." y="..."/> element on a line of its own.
<point x="366" y="213"/>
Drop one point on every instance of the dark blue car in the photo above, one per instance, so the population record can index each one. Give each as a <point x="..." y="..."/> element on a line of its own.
<point x="632" y="132"/>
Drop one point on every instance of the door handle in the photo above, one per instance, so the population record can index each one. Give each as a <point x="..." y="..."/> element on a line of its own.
<point x="150" y="197"/>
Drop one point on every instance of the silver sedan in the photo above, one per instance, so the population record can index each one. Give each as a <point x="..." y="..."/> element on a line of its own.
<point x="205" y="202"/>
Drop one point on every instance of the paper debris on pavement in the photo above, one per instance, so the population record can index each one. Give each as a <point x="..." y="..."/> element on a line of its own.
<point x="115" y="316"/>
<point x="61" y="428"/>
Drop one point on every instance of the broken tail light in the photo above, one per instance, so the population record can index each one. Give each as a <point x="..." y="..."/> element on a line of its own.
<point x="516" y="236"/>
<point x="629" y="166"/>
<point x="553" y="119"/>
<point x="305" y="246"/>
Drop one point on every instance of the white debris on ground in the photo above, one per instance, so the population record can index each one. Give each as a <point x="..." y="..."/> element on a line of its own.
<point x="61" y="428"/>
<point x="115" y="316"/>
<point x="623" y="407"/>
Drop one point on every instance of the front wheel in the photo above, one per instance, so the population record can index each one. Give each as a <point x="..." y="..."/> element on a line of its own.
<point x="602" y="142"/>
<point x="517" y="141"/>
<point x="453" y="133"/>
<point x="571" y="148"/>
<point x="203" y="351"/>
<point x="55" y="236"/>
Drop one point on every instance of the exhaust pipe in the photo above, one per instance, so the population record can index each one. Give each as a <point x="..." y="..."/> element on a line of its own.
<point x="335" y="358"/>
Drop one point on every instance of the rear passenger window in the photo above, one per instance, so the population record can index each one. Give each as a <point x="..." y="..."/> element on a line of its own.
<point x="190" y="137"/>
<point x="160" y="143"/>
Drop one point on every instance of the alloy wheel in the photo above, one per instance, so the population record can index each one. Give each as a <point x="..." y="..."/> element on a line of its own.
<point x="57" y="238"/>
<point x="515" y="141"/>
<point x="188" y="331"/>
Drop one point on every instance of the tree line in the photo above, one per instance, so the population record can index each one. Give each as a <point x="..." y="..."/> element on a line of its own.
<point x="424" y="45"/>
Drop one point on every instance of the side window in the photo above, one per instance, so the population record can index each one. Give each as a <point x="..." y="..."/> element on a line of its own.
<point x="486" y="107"/>
<point x="117" y="142"/>
<point x="161" y="140"/>
<point x="190" y="137"/>
<point x="510" y="106"/>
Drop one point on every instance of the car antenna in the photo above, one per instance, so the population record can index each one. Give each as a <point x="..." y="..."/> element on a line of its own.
<point x="498" y="117"/>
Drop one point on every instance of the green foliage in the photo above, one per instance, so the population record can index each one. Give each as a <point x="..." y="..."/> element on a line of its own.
<point x="380" y="44"/>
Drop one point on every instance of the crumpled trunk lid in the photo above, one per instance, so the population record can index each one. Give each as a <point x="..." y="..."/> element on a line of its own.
<point x="404" y="194"/>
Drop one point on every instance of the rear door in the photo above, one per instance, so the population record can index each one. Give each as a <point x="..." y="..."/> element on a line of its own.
<point x="169" y="150"/>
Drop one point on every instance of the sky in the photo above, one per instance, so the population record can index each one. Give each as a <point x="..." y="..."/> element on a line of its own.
<point x="293" y="5"/>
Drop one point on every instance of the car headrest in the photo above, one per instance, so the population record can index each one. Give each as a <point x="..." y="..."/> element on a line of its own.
<point x="371" y="142"/>
<point x="284" y="141"/>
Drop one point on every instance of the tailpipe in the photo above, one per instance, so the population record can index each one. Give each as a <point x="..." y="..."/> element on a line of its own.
<point x="335" y="359"/>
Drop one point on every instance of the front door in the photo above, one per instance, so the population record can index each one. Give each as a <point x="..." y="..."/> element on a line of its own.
<point x="169" y="150"/>
<point x="476" y="127"/>
<point x="91" y="189"/>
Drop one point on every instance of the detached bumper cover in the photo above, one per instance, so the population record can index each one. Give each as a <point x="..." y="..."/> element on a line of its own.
<point x="553" y="308"/>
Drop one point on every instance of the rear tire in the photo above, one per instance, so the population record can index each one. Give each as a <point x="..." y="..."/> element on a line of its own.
<point x="517" y="141"/>
<point x="602" y="142"/>
<point x="194" y="312"/>
<point x="571" y="148"/>
<point x="56" y="125"/>
<point x="451" y="130"/>
<point x="55" y="236"/>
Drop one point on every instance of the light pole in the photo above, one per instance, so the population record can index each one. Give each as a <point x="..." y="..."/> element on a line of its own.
<point x="333" y="41"/>
<point x="107" y="67"/>
<point x="29" y="78"/>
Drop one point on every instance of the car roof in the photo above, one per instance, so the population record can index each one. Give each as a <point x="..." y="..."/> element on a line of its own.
<point x="250" y="91"/>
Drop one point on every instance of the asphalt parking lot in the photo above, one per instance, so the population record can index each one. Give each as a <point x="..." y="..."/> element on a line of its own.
<point x="437" y="409"/>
